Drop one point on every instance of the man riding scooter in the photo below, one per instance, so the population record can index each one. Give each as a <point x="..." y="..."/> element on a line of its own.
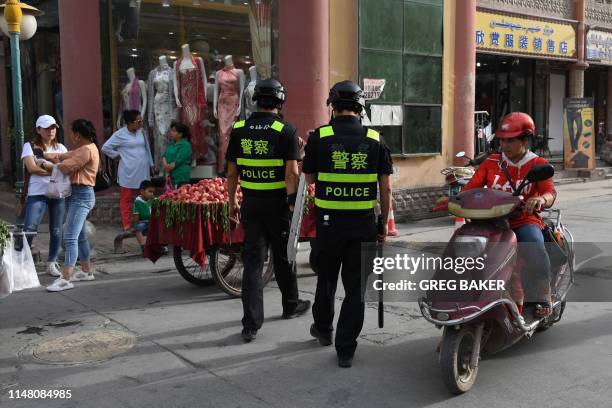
<point x="505" y="172"/>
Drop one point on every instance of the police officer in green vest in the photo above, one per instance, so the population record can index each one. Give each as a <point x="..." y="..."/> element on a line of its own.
<point x="262" y="156"/>
<point x="349" y="163"/>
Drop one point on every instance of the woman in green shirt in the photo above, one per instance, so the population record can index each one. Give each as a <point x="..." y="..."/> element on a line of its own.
<point x="177" y="158"/>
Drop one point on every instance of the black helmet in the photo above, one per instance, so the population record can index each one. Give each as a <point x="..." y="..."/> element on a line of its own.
<point x="346" y="91"/>
<point x="270" y="89"/>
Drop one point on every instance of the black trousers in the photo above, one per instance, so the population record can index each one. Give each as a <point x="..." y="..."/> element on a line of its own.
<point x="339" y="253"/>
<point x="266" y="223"/>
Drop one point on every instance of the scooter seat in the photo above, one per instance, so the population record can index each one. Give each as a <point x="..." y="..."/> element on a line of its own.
<point x="483" y="204"/>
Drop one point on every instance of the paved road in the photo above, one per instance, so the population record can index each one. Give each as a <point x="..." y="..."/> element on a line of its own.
<point x="188" y="352"/>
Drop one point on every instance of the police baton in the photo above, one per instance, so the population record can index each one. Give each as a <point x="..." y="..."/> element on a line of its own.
<point x="379" y="253"/>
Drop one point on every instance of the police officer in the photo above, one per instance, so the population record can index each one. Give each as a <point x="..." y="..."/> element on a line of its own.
<point x="348" y="162"/>
<point x="262" y="155"/>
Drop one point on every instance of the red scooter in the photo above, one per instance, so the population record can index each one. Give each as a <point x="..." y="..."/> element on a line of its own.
<point x="482" y="322"/>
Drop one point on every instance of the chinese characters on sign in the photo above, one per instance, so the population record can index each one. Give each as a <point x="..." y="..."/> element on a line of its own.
<point x="599" y="46"/>
<point x="518" y="35"/>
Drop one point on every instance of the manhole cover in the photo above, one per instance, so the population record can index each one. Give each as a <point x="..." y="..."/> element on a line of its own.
<point x="84" y="347"/>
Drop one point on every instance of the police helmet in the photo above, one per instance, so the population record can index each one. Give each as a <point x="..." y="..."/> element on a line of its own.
<point x="270" y="89"/>
<point x="346" y="92"/>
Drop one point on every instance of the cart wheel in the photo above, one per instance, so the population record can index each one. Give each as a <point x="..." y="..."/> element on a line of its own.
<point x="190" y="270"/>
<point x="227" y="268"/>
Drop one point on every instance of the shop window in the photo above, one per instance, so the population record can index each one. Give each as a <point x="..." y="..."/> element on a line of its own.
<point x="422" y="79"/>
<point x="141" y="31"/>
<point x="384" y="64"/>
<point x="381" y="24"/>
<point x="422" y="129"/>
<point x="406" y="50"/>
<point x="423" y="28"/>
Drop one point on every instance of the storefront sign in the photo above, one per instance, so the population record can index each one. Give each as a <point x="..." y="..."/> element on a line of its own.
<point x="524" y="36"/>
<point x="578" y="133"/>
<point x="599" y="46"/>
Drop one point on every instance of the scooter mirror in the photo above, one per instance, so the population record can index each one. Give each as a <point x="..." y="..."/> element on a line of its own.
<point x="539" y="173"/>
<point x="460" y="154"/>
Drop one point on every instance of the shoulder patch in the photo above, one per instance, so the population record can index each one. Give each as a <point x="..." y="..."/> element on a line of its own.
<point x="239" y="124"/>
<point x="326" y="131"/>
<point x="372" y="134"/>
<point x="278" y="126"/>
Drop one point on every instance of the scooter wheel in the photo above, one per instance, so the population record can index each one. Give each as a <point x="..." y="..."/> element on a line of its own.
<point x="455" y="356"/>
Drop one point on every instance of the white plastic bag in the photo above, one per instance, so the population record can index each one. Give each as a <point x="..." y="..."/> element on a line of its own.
<point x="19" y="266"/>
<point x="59" y="184"/>
<point x="6" y="273"/>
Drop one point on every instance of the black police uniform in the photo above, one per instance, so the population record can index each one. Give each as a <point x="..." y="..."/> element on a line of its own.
<point x="260" y="146"/>
<point x="347" y="159"/>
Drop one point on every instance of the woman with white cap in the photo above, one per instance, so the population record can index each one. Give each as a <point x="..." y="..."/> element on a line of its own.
<point x="37" y="181"/>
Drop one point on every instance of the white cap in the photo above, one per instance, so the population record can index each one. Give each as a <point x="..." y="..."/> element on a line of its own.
<point x="46" y="121"/>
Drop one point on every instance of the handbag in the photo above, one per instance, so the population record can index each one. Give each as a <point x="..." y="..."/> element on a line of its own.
<point x="59" y="184"/>
<point x="103" y="179"/>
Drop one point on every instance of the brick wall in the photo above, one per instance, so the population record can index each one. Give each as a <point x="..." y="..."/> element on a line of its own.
<point x="106" y="211"/>
<point x="408" y="204"/>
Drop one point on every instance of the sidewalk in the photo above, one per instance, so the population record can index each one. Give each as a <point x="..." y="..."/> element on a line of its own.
<point x="428" y="230"/>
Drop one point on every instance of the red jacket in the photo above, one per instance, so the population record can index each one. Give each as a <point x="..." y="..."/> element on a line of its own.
<point x="490" y="175"/>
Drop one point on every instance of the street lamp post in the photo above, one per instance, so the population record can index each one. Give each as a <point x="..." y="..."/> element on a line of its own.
<point x="14" y="17"/>
<point x="19" y="23"/>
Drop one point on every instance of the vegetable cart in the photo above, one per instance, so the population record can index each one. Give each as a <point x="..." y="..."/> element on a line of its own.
<point x="206" y="246"/>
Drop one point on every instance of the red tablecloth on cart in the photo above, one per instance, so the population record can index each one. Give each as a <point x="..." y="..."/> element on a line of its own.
<point x="195" y="236"/>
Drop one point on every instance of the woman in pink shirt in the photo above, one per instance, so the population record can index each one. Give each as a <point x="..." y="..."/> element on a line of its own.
<point x="82" y="165"/>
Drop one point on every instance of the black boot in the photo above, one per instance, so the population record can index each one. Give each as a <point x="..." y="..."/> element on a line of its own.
<point x="302" y="307"/>
<point x="324" y="339"/>
<point x="345" y="361"/>
<point x="249" y="335"/>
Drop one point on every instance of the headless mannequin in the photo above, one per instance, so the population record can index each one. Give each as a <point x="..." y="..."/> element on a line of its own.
<point x="229" y="88"/>
<point x="126" y="92"/>
<point x="162" y="110"/>
<point x="185" y="64"/>
<point x="229" y="62"/>
<point x="163" y="64"/>
<point x="253" y="74"/>
<point x="191" y="96"/>
<point x="248" y="105"/>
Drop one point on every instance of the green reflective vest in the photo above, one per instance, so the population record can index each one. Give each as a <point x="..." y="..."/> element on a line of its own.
<point x="260" y="165"/>
<point x="347" y="177"/>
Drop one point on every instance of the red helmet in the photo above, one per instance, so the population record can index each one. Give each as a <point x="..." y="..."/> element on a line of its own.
<point x="515" y="124"/>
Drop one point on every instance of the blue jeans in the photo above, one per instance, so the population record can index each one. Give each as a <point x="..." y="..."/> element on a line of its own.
<point x="142" y="226"/>
<point x="80" y="203"/>
<point x="34" y="212"/>
<point x="537" y="272"/>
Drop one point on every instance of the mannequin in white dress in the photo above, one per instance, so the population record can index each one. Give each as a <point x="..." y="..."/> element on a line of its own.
<point x="134" y="95"/>
<point x="248" y="105"/>
<point x="162" y="106"/>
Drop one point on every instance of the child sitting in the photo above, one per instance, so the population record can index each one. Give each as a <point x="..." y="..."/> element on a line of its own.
<point x="142" y="211"/>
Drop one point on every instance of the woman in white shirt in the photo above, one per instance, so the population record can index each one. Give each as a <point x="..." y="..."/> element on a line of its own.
<point x="44" y="141"/>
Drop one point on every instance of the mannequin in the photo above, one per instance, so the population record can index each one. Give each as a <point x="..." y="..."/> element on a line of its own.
<point x="190" y="91"/>
<point x="229" y="87"/>
<point x="248" y="106"/>
<point x="133" y="95"/>
<point x="162" y="99"/>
